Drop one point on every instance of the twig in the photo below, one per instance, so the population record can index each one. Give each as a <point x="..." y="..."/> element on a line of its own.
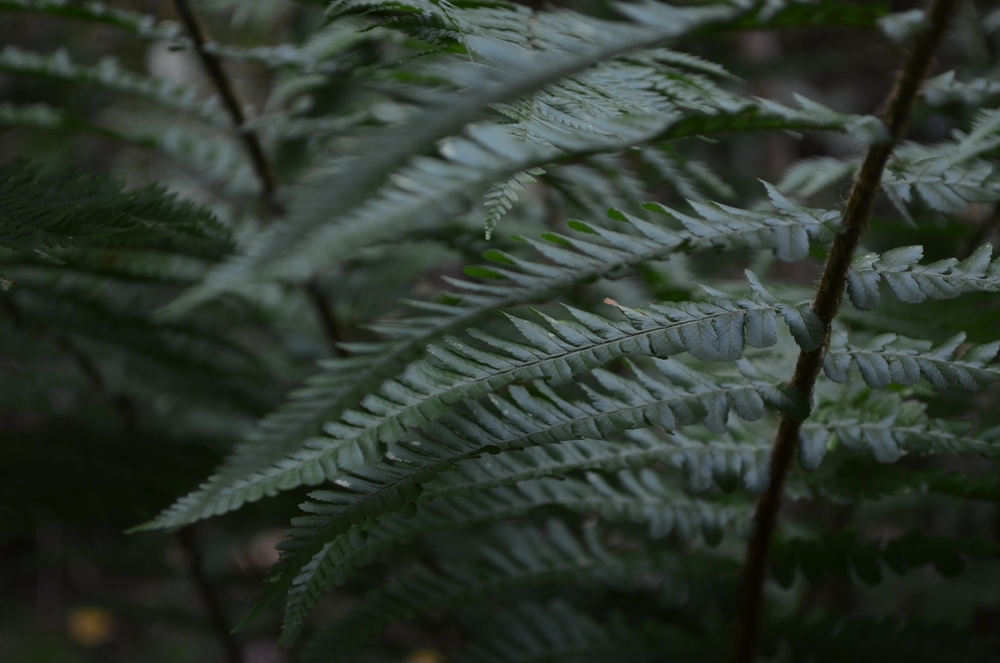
<point x="331" y="329"/>
<point x="261" y="165"/>
<point x="216" y="615"/>
<point x="983" y="232"/>
<point x="213" y="67"/>
<point x="829" y="294"/>
<point x="122" y="403"/>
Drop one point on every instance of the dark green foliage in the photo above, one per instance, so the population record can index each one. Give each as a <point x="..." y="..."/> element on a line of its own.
<point x="555" y="457"/>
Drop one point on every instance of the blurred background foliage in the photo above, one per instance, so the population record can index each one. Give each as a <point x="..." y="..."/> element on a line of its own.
<point x="73" y="587"/>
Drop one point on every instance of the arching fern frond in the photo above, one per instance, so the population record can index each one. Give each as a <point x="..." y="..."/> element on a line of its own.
<point x="109" y="74"/>
<point x="522" y="557"/>
<point x="712" y="331"/>
<point x="574" y="260"/>
<point x="642" y="498"/>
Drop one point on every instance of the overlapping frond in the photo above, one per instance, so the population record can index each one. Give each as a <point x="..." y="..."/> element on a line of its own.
<point x="637" y="498"/>
<point x="571" y="260"/>
<point x="522" y="557"/>
<point x="715" y="330"/>
<point x="358" y="201"/>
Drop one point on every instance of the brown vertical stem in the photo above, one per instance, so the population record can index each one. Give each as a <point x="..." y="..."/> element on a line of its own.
<point x="213" y="67"/>
<point x="261" y="165"/>
<point x="210" y="601"/>
<point x="331" y="329"/>
<point x="829" y="294"/>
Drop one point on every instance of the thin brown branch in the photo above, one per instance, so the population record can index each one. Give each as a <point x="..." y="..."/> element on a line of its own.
<point x="213" y="67"/>
<point x="122" y="403"/>
<point x="210" y="601"/>
<point x="331" y="329"/>
<point x="829" y="295"/>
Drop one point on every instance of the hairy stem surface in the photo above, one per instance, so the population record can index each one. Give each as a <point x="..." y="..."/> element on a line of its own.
<point x="829" y="295"/>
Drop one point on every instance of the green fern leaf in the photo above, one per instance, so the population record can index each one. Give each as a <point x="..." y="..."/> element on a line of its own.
<point x="42" y="212"/>
<point x="913" y="283"/>
<point x="642" y="498"/>
<point x="712" y="331"/>
<point x="887" y="358"/>
<point x="522" y="557"/>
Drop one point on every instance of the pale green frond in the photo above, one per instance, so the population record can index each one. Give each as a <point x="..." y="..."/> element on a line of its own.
<point x="711" y="331"/>
<point x="946" y="89"/>
<point x="889" y="427"/>
<point x="914" y="283"/>
<point x="109" y="74"/>
<point x="598" y="252"/>
<point x="888" y="358"/>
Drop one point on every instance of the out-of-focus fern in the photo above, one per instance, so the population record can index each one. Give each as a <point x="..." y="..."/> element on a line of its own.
<point x="611" y="454"/>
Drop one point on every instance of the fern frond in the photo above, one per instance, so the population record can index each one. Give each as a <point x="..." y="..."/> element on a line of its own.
<point x="712" y="331"/>
<point x="211" y="156"/>
<point x="522" y="557"/>
<point x="41" y="211"/>
<point x="143" y="26"/>
<point x="109" y="74"/>
<point x="888" y="358"/>
<point x="946" y="89"/>
<point x="787" y="231"/>
<point x="888" y="426"/>
<point x="501" y="197"/>
<point x="643" y="498"/>
<point x="913" y="283"/>
<point x="528" y="421"/>
<point x="840" y="554"/>
<point x="575" y="260"/>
